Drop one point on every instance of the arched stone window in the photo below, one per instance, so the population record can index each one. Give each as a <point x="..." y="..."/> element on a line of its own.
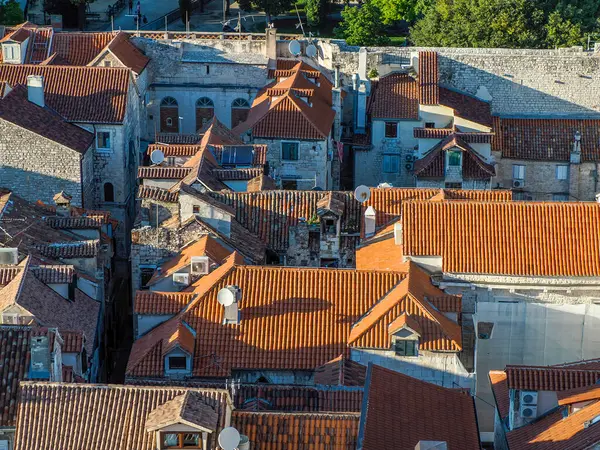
<point x="205" y="110"/>
<point x="109" y="192"/>
<point x="169" y="115"/>
<point x="239" y="111"/>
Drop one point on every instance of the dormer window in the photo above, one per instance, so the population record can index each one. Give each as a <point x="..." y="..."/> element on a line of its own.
<point x="454" y="157"/>
<point x="177" y="363"/>
<point x="406" y="347"/>
<point x="11" y="53"/>
<point x="181" y="440"/>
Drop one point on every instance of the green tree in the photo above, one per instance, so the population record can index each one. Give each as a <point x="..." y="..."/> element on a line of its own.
<point x="562" y="32"/>
<point x="395" y="10"/>
<point x="272" y="7"/>
<point x="362" y="25"/>
<point x="10" y="12"/>
<point x="501" y="23"/>
<point x="316" y="12"/>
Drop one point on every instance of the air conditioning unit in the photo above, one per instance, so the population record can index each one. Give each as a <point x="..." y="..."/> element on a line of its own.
<point x="200" y="265"/>
<point x="9" y="256"/>
<point x="410" y="158"/>
<point x="181" y="279"/>
<point x="409" y="166"/>
<point x="518" y="184"/>
<point x="528" y="404"/>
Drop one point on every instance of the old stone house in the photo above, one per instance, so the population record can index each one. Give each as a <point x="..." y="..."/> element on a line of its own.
<point x="536" y="401"/>
<point x="295" y="116"/>
<point x="524" y="271"/>
<point x="40" y="148"/>
<point x="547" y="158"/>
<point x="422" y="134"/>
<point x="105" y="102"/>
<point x="394" y="319"/>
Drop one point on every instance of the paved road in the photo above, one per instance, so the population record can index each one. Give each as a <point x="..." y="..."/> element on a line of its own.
<point x="152" y="9"/>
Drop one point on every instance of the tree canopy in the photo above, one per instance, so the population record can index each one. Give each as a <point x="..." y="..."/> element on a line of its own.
<point x="506" y="23"/>
<point x="10" y="12"/>
<point x="362" y="25"/>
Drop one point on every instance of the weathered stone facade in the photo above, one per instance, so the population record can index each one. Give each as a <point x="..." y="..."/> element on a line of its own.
<point x="36" y="168"/>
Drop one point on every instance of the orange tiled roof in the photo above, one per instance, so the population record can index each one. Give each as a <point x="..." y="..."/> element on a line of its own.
<point x="395" y="96"/>
<point x="441" y="133"/>
<point x="550" y="378"/>
<point x="408" y="298"/>
<point x="270" y="333"/>
<point x="546" y="139"/>
<point x="341" y="371"/>
<point x="294" y="431"/>
<point x="433" y="163"/>
<point x="500" y="391"/>
<point x="122" y="48"/>
<point x="279" y="110"/>
<point x="80" y="49"/>
<point x="153" y="302"/>
<point x="261" y="183"/>
<point x="157" y="194"/>
<point x="79" y="94"/>
<point x="429" y="77"/>
<point x="401" y="411"/>
<point x="205" y="246"/>
<point x="163" y="172"/>
<point x="466" y="106"/>
<point x="505" y="237"/>
<point x="81" y="413"/>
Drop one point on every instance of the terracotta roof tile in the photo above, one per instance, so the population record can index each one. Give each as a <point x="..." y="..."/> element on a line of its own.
<point x="51" y="413"/>
<point x="546" y="139"/>
<point x="128" y="53"/>
<point x="66" y="250"/>
<point x="237" y="174"/>
<point x="499" y="384"/>
<point x="433" y="163"/>
<point x="279" y="110"/>
<point x="269" y="214"/>
<point x="395" y="96"/>
<point x="401" y="411"/>
<point x="429" y="77"/>
<point x="269" y="334"/>
<point x="73" y="341"/>
<point x="268" y="397"/>
<point x="7" y="273"/>
<point x="191" y="408"/>
<point x="549" y="378"/>
<point x="469" y="241"/>
<point x="54" y="274"/>
<point x="163" y="172"/>
<point x="177" y="139"/>
<point x="153" y="302"/>
<point x="261" y="183"/>
<point x="80" y="49"/>
<point x="441" y="133"/>
<point x="79" y="94"/>
<point x="409" y="297"/>
<point x="341" y="371"/>
<point x="466" y="106"/>
<point x="268" y="431"/>
<point x="17" y="109"/>
<point x="158" y="194"/>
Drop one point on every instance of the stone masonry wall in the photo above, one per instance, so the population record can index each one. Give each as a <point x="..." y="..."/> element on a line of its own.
<point x="563" y="82"/>
<point x="36" y="168"/>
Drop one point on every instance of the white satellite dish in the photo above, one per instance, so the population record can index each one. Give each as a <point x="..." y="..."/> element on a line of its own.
<point x="226" y="297"/>
<point x="295" y="48"/>
<point x="157" y="157"/>
<point x="229" y="438"/>
<point x="311" y="51"/>
<point x="362" y="193"/>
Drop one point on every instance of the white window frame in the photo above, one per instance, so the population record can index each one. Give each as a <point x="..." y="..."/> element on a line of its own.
<point x="559" y="169"/>
<point x="104" y="149"/>
<point x="289" y="142"/>
<point x="383" y="162"/>
<point x="13" y="316"/>
<point x="518" y="171"/>
<point x="15" y="51"/>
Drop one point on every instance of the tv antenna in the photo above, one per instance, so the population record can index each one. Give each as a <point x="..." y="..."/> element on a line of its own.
<point x="362" y="193"/>
<point x="157" y="156"/>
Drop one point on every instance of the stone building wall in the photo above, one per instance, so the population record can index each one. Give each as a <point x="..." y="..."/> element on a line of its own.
<point x="36" y="168"/>
<point x="563" y="82"/>
<point x="312" y="161"/>
<point x="541" y="183"/>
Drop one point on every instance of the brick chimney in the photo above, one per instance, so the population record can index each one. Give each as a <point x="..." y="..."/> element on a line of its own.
<point x="35" y="90"/>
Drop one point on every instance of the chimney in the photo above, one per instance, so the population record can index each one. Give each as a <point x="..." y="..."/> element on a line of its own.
<point x="576" y="151"/>
<point x="271" y="43"/>
<point x="398" y="233"/>
<point x="362" y="63"/>
<point x="336" y="77"/>
<point x="35" y="90"/>
<point x="431" y="445"/>
<point x="63" y="204"/>
<point x="370" y="221"/>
